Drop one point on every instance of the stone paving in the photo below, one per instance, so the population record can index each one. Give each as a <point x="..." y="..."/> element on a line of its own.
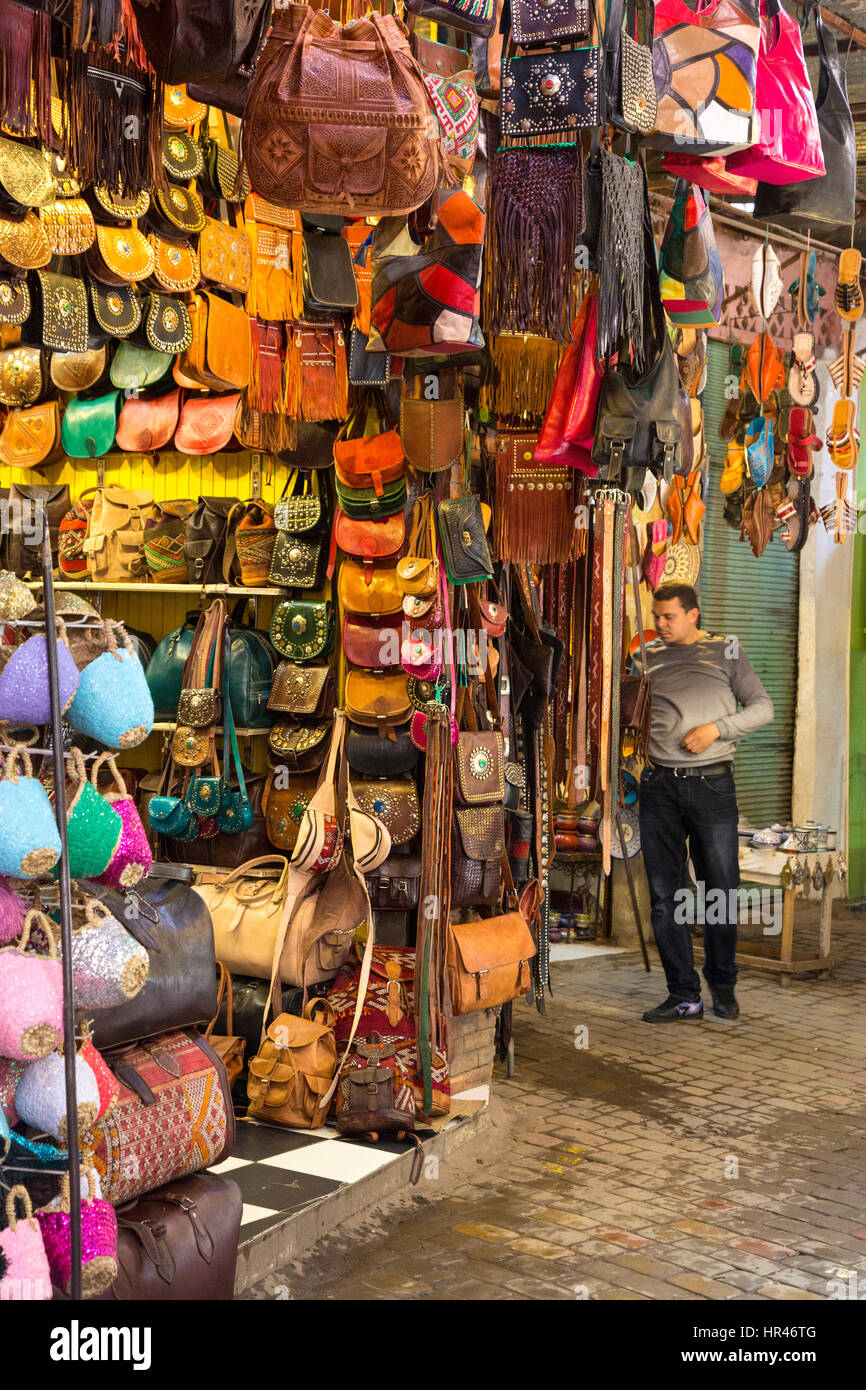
<point x="692" y="1161"/>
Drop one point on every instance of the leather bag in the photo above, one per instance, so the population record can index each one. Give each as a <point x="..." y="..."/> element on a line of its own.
<point x="369" y="755"/>
<point x="89" y="426"/>
<point x="145" y="425"/>
<point x="395" y="885"/>
<point x="630" y="92"/>
<point x="432" y="432"/>
<point x="466" y="16"/>
<point x="179" y="1243"/>
<point x="638" y="423"/>
<point x="378" y="699"/>
<point x="114" y="544"/>
<point x="426" y="293"/>
<point x="216" y="42"/>
<point x="31" y="438"/>
<point x="174" y="1086"/>
<point x="705" y="61"/>
<point x="176" y="265"/>
<point x="78" y="371"/>
<point x="219" y="354"/>
<point x="294" y="1068"/>
<point x="26" y="500"/>
<point x="173" y="924"/>
<point x="488" y="962"/>
<point x="23" y="376"/>
<point x="313" y="141"/>
<point x="788" y="148"/>
<point x="830" y="197"/>
<point x="373" y="592"/>
<point x="691" y="278"/>
<point x="550" y="94"/>
<point x="303" y="691"/>
<point x="462" y="532"/>
<point x="370" y="539"/>
<point x="205" y="535"/>
<point x="206" y="426"/>
<point x="224" y="256"/>
<point x="229" y="1046"/>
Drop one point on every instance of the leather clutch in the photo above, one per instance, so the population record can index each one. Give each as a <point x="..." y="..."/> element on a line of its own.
<point x="462" y="532"/>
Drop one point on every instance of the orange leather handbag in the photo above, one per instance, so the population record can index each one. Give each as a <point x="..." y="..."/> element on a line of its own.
<point x="206" y="426"/>
<point x="370" y="462"/>
<point x="219" y="355"/>
<point x="370" y="590"/>
<point x="145" y="425"/>
<point x="370" y="540"/>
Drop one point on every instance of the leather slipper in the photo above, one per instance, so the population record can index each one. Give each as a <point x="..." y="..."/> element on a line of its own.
<point x="849" y="295"/>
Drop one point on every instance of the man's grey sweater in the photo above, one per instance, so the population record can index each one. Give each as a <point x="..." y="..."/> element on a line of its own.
<point x="702" y="682"/>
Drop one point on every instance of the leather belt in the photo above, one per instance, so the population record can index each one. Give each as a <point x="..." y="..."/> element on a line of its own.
<point x="702" y="770"/>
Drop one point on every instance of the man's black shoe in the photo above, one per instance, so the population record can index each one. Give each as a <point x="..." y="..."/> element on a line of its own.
<point x="725" y="1004"/>
<point x="674" y="1010"/>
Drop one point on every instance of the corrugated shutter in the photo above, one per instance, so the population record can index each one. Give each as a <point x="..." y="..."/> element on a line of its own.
<point x="757" y="600"/>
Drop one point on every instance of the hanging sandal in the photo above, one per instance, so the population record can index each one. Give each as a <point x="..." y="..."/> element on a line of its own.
<point x="734" y="470"/>
<point x="846" y="370"/>
<point x="802" y="442"/>
<point x="849" y="295"/>
<point x="766" y="280"/>
<point x="843" y="437"/>
<point x="675" y="506"/>
<point x="694" y="509"/>
<point x="759" y="450"/>
<point x="653" y="563"/>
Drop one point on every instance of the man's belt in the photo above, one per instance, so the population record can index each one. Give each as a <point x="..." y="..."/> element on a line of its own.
<point x="701" y="770"/>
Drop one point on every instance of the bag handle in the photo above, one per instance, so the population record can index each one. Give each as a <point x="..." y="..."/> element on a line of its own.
<point x="10" y="773"/>
<point x="224" y="985"/>
<point x="19" y="1193"/>
<point x="108" y="758"/>
<point x="36" y="918"/>
<point x="230" y="742"/>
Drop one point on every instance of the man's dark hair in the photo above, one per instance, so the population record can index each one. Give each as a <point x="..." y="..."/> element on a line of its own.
<point x="684" y="592"/>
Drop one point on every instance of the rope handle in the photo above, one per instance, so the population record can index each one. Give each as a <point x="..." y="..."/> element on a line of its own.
<point x="19" y="1193"/>
<point x="107" y="758"/>
<point x="18" y="750"/>
<point x="36" y="918"/>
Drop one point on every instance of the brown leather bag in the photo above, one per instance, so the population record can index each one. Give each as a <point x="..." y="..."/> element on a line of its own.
<point x="146" y="425"/>
<point x="284" y="807"/>
<point x="31" y="437"/>
<point x="432" y="431"/>
<point x="378" y="699"/>
<point x="304" y="691"/>
<point x="372" y="591"/>
<point x="294" y="1068"/>
<point x="207" y="425"/>
<point x="219" y="354"/>
<point x="224" y="254"/>
<point x="179" y="1243"/>
<point x="368" y="642"/>
<point x="229" y="1047"/>
<point x="337" y="119"/>
<point x="487" y="962"/>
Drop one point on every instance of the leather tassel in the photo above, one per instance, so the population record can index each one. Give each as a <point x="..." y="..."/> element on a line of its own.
<point x="276" y="286"/>
<point x="534" y="505"/>
<point x="534" y="217"/>
<point x="25" y="71"/>
<point x="114" y="128"/>
<point x="317" y="373"/>
<point x="265" y="391"/>
<point x="514" y="390"/>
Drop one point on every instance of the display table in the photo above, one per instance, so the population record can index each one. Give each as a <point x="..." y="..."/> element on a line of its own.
<point x="765" y="867"/>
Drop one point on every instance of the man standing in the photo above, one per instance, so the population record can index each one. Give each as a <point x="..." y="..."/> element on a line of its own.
<point x="688" y="794"/>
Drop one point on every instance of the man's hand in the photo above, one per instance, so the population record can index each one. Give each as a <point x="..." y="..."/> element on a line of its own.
<point x="700" y="738"/>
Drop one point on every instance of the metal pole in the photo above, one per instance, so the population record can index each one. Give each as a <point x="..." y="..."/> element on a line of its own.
<point x="632" y="894"/>
<point x="69" y="1039"/>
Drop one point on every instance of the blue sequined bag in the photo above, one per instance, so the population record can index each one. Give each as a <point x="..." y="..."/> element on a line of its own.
<point x="113" y="703"/>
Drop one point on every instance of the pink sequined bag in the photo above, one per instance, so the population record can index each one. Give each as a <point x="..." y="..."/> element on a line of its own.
<point x="133" y="857"/>
<point x="24" y="1272"/>
<point x="31" y="988"/>
<point x="98" y="1237"/>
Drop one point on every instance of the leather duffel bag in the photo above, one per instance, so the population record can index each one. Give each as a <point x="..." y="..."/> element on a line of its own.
<point x="168" y="918"/>
<point x="180" y="1242"/>
<point x="173" y="1115"/>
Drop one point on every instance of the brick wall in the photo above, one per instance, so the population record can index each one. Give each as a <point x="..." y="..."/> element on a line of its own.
<point x="470" y="1049"/>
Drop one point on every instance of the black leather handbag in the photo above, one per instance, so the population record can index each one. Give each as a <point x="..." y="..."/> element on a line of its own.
<point x="249" y="1001"/>
<point x="368" y="755"/>
<point x="204" y="538"/>
<point x="187" y="41"/>
<point x="549" y="94"/>
<point x="638" y="424"/>
<point x="166" y="915"/>
<point x="830" y="198"/>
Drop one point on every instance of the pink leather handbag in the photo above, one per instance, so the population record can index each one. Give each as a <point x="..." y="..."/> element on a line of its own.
<point x="788" y="147"/>
<point x="569" y="426"/>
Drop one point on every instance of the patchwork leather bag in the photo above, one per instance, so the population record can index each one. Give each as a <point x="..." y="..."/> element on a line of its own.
<point x="426" y="293"/>
<point x="691" y="278"/>
<point x="705" y="58"/>
<point x="114" y="545"/>
<point x="337" y="118"/>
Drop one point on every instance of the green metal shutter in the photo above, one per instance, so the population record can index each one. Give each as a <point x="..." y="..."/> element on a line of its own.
<point x="758" y="601"/>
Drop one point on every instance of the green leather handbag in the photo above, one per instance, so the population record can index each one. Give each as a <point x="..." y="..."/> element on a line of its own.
<point x="251" y="671"/>
<point x="133" y="368"/>
<point x="302" y="629"/>
<point x="89" y="427"/>
<point x="165" y="668"/>
<point x="366" y="503"/>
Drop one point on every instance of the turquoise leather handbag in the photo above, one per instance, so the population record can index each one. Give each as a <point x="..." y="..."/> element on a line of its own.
<point x="165" y="668"/>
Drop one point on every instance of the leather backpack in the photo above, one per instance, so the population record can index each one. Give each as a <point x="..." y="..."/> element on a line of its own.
<point x="205" y="535"/>
<point x="24" y="543"/>
<point x="114" y="544"/>
<point x="337" y="119"/>
<point x="638" y="423"/>
<point x="294" y="1068"/>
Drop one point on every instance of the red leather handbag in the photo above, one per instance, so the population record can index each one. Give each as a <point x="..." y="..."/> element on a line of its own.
<point x="713" y="175"/>
<point x="206" y="425"/>
<point x="368" y="539"/>
<point x="788" y="146"/>
<point x="569" y="425"/>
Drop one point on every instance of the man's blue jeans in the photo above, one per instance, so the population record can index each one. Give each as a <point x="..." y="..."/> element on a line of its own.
<point x="702" y="810"/>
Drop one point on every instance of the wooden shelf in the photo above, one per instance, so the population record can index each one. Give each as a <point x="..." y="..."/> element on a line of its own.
<point x="169" y="728"/>
<point x="91" y="586"/>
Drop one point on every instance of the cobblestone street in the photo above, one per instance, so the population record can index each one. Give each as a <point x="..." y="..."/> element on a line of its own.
<point x="689" y="1161"/>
